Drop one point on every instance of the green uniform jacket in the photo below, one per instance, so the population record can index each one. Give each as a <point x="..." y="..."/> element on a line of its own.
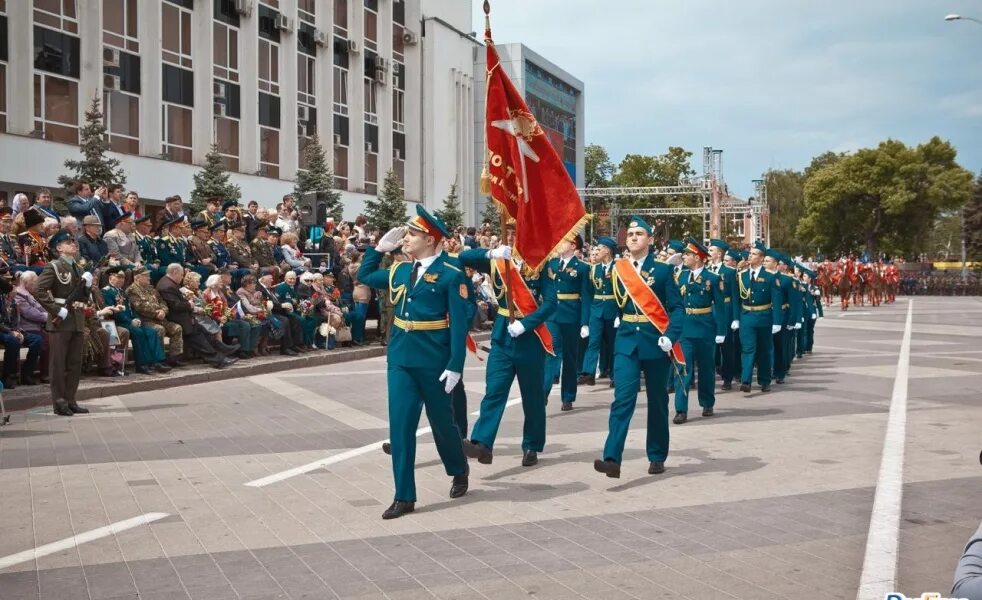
<point x="60" y="286"/>
<point x="603" y="305"/>
<point x="700" y="293"/>
<point x="792" y="299"/>
<point x="572" y="281"/>
<point x="764" y="290"/>
<point x="731" y="292"/>
<point x="114" y="296"/>
<point x="171" y="250"/>
<point x="642" y="336"/>
<point x="440" y="295"/>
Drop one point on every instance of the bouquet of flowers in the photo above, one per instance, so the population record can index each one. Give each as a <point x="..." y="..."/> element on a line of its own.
<point x="306" y="308"/>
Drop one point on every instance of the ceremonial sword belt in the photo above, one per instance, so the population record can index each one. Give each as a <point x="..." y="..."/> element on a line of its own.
<point x="785" y="306"/>
<point x="699" y="311"/>
<point x="749" y="308"/>
<point x="568" y="296"/>
<point x="420" y="325"/>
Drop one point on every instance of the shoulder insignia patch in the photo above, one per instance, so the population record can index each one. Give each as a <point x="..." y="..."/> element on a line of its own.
<point x="463" y="291"/>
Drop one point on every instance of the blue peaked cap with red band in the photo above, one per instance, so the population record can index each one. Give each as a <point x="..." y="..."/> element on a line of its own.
<point x="428" y="223"/>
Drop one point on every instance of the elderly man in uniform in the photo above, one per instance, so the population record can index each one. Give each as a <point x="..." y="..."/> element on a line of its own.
<point x="262" y="251"/>
<point x="704" y="327"/>
<point x="148" y="349"/>
<point x="201" y="256"/>
<point x="570" y="322"/>
<point x="649" y="324"/>
<point x="151" y="309"/>
<point x="761" y="317"/>
<point x="426" y="351"/>
<point x="121" y="242"/>
<point x="603" y="311"/>
<point x="61" y="289"/>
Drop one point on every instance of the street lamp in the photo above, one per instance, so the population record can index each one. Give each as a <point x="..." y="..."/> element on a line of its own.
<point x="961" y="18"/>
<point x="962" y="211"/>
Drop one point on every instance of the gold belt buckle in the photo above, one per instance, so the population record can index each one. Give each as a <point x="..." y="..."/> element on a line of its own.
<point x="410" y="326"/>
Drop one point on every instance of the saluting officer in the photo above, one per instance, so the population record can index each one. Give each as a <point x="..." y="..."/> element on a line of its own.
<point x="649" y="324"/>
<point x="603" y="312"/>
<point x="703" y="328"/>
<point x="569" y="323"/>
<point x="761" y="317"/>
<point x="727" y="360"/>
<point x="426" y="350"/>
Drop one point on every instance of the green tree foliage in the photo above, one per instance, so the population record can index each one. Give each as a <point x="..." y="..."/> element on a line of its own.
<point x="599" y="170"/>
<point x="492" y="217"/>
<point x="883" y="199"/>
<point x="319" y="178"/>
<point x="451" y="213"/>
<point x="666" y="169"/>
<point x="973" y="222"/>
<point x="212" y="180"/>
<point x="94" y="167"/>
<point x="388" y="210"/>
<point x="786" y="202"/>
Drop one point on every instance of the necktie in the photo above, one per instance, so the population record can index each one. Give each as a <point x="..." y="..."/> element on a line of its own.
<point x="562" y="265"/>
<point x="637" y="265"/>
<point x="415" y="273"/>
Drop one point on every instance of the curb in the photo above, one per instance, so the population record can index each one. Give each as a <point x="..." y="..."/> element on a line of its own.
<point x="28" y="397"/>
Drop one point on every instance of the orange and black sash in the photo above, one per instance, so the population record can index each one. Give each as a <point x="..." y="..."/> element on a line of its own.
<point x="524" y="301"/>
<point x="647" y="301"/>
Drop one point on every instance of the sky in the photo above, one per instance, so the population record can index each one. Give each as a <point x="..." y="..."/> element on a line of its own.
<point x="771" y="83"/>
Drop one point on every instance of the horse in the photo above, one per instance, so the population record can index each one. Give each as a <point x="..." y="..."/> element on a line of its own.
<point x="824" y="282"/>
<point x="859" y="285"/>
<point x="847" y="279"/>
<point x="874" y="283"/>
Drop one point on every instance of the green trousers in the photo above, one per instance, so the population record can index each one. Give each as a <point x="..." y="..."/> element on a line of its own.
<point x="627" y="377"/>
<point x="527" y="362"/>
<point x="701" y="354"/>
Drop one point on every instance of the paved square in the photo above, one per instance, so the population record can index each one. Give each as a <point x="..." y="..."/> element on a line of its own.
<point x="771" y="498"/>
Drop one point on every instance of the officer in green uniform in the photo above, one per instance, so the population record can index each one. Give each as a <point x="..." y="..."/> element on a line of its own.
<point x="704" y="327"/>
<point x="217" y="243"/>
<point x="148" y="248"/>
<point x="761" y="317"/>
<point x="603" y="312"/>
<point x="516" y="351"/>
<point x="791" y="305"/>
<point x="569" y="323"/>
<point x="726" y="359"/>
<point x="171" y="248"/>
<point x="641" y="347"/>
<point x="813" y="311"/>
<point x="426" y="350"/>
<point x="148" y="349"/>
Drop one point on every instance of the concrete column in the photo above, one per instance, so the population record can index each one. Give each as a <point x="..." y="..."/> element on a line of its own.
<point x="324" y="81"/>
<point x="20" y="68"/>
<point x="202" y="51"/>
<point x="289" y="157"/>
<point x="384" y="106"/>
<point x="249" y="92"/>
<point x="151" y="86"/>
<point x="356" y="97"/>
<point x="90" y="73"/>
<point x="413" y="106"/>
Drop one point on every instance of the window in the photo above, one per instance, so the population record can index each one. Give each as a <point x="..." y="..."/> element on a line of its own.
<point x="398" y="45"/>
<point x="341" y="17"/>
<point x="56" y="108"/>
<point x="267" y="23"/>
<point x="269" y="67"/>
<point x="371" y="27"/>
<point x="399" y="12"/>
<point x="56" y="52"/>
<point x="341" y="151"/>
<point x="119" y="24"/>
<point x="226" y="52"/>
<point x="178" y="85"/>
<point x="306" y="90"/>
<point x="175" y="27"/>
<point x="305" y="39"/>
<point x="122" y="121"/>
<point x="306" y="10"/>
<point x="57" y="14"/>
<point x="227" y="140"/>
<point x="371" y="102"/>
<point x="371" y="158"/>
<point x="269" y="152"/>
<point x="225" y="12"/>
<point x="269" y="110"/>
<point x="340" y="77"/>
<point x="398" y="110"/>
<point x="3" y="97"/>
<point x="177" y="133"/>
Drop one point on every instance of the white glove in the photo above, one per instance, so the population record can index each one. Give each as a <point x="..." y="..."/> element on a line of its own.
<point x="452" y="378"/>
<point x="584" y="332"/>
<point x="789" y="327"/>
<point x="617" y="322"/>
<point x="391" y="240"/>
<point x="775" y="329"/>
<point x="63" y="313"/>
<point x="286" y="306"/>
<point x="665" y="344"/>
<point x="735" y="324"/>
<point x="87" y="278"/>
<point x="815" y="317"/>
<point x="269" y="305"/>
<point x="797" y="326"/>
<point x="720" y="339"/>
<point x="675" y="259"/>
<point x="516" y="329"/>
<point x="500" y="252"/>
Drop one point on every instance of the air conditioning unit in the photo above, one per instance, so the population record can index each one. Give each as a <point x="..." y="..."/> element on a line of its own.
<point x="409" y="38"/>
<point x="220" y="90"/>
<point x="243" y="7"/>
<point x="380" y="76"/>
<point x="369" y="147"/>
<point x="283" y="22"/>
<point x="321" y="38"/>
<point x="221" y="109"/>
<point x="110" y="57"/>
<point x="397" y="154"/>
<point x="303" y="113"/>
<point x="352" y="46"/>
<point x="337" y="139"/>
<point x="110" y="82"/>
<point x="381" y="64"/>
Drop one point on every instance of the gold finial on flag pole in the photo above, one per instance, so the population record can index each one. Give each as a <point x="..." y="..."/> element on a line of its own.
<point x="487" y="21"/>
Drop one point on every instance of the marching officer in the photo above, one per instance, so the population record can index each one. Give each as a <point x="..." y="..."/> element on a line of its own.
<point x="791" y="305"/>
<point x="426" y="350"/>
<point x="61" y="289"/>
<point x="726" y="359"/>
<point x="761" y="317"/>
<point x="650" y="322"/>
<point x="603" y="312"/>
<point x="518" y="349"/>
<point x="703" y="329"/>
<point x="570" y="322"/>
<point x="813" y="311"/>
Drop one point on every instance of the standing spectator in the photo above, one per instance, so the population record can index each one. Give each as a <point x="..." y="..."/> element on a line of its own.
<point x="327" y="247"/>
<point x="91" y="246"/>
<point x="286" y="219"/>
<point x="361" y="295"/>
<point x="112" y="206"/>
<point x="20" y="203"/>
<point x="360" y="229"/>
<point x="84" y="203"/>
<point x="251" y="220"/>
<point x="212" y="212"/>
<point x="32" y="318"/>
<point x="172" y="210"/>
<point x="44" y="204"/>
<point x="470" y="240"/>
<point x="131" y="204"/>
<point x="148" y="349"/>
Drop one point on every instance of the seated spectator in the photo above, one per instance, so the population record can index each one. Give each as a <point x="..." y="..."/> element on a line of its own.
<point x="103" y="348"/>
<point x="121" y="243"/>
<point x="292" y="253"/>
<point x="151" y="309"/>
<point x="71" y="224"/>
<point x="290" y="330"/>
<point x="217" y="308"/>
<point x="91" y="247"/>
<point x="182" y="312"/>
<point x="255" y="310"/>
<point x="361" y="295"/>
<point x="32" y="319"/>
<point x="148" y="349"/>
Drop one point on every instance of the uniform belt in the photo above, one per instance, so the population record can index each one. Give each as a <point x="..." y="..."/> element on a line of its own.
<point x="699" y="311"/>
<point x="420" y="325"/>
<point x="503" y="311"/>
<point x="785" y="306"/>
<point x="568" y="296"/>
<point x="634" y="319"/>
<point x="604" y="297"/>
<point x="756" y="308"/>
<point x="727" y="299"/>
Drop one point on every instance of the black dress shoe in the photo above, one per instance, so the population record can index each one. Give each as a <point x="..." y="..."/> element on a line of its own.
<point x="727" y="387"/>
<point x="387" y="448"/>
<point x="656" y="468"/>
<point x="458" y="487"/>
<point x="608" y="467"/>
<point x="162" y="368"/>
<point x="586" y="380"/>
<point x="176" y="363"/>
<point x="63" y="410"/>
<point x="28" y="379"/>
<point x="220" y="364"/>
<point x="745" y="388"/>
<point x="144" y="370"/>
<point x="567" y="406"/>
<point x="680" y="418"/>
<point x="530" y="458"/>
<point x="555" y="380"/>
<point x="398" y="508"/>
<point x="765" y="388"/>
<point x="707" y="412"/>
<point x="603" y="375"/>
<point x="611" y="383"/>
<point x="479" y="451"/>
<point x="289" y="352"/>
<point x="779" y="381"/>
<point x="78" y="410"/>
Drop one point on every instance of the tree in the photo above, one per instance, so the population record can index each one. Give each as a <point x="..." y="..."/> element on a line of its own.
<point x="388" y="210"/>
<point x="318" y="178"/>
<point x="451" y="214"/>
<point x="212" y="180"/>
<point x="599" y="170"/>
<point x="786" y="203"/>
<point x="973" y="222"/>
<point x="492" y="217"/>
<point x="663" y="170"/>
<point x="95" y="167"/>
<point x="883" y="199"/>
